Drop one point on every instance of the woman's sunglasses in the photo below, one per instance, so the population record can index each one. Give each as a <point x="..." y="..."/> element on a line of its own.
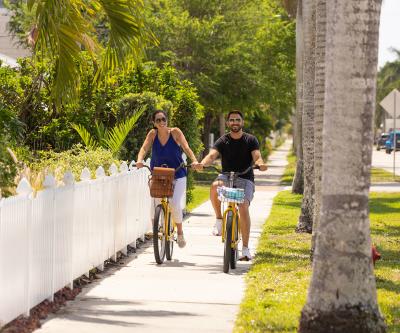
<point x="159" y="120"/>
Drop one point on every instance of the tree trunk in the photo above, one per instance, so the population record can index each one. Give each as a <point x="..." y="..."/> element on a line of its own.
<point x="342" y="293"/>
<point x="206" y="132"/>
<point x="222" y="125"/>
<point x="319" y="95"/>
<point x="306" y="216"/>
<point x="298" y="180"/>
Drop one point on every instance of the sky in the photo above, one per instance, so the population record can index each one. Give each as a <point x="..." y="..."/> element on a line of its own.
<point x="389" y="31"/>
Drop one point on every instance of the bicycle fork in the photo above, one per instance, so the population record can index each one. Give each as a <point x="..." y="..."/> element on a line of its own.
<point x="235" y="240"/>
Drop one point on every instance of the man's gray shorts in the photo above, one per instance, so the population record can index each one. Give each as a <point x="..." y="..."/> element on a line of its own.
<point x="245" y="184"/>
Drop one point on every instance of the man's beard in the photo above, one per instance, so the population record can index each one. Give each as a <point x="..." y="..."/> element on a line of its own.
<point x="236" y="129"/>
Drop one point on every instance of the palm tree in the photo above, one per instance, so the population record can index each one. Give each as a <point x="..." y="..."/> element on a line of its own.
<point x="308" y="78"/>
<point x="342" y="293"/>
<point x="111" y="139"/>
<point x="319" y="95"/>
<point x="298" y="180"/>
<point x="63" y="28"/>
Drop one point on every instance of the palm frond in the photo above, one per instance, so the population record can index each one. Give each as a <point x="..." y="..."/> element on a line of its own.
<point x="101" y="131"/>
<point x="62" y="32"/>
<point x="117" y="135"/>
<point x="86" y="137"/>
<point x="128" y="35"/>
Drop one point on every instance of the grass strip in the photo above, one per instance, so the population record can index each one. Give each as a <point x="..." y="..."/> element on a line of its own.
<point x="279" y="277"/>
<point x="201" y="193"/>
<point x="382" y="176"/>
<point x="287" y="178"/>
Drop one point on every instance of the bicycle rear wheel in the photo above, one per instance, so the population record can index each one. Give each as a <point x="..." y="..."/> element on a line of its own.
<point x="159" y="239"/>
<point x="234" y="250"/>
<point x="169" y="244"/>
<point x="228" y="242"/>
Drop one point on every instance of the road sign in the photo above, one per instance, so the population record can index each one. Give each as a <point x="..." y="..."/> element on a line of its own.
<point x="391" y="103"/>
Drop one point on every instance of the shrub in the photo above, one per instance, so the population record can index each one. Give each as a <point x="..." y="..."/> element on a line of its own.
<point x="74" y="159"/>
<point x="128" y="105"/>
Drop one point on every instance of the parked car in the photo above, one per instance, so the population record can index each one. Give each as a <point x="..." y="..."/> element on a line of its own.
<point x="389" y="145"/>
<point x="380" y="143"/>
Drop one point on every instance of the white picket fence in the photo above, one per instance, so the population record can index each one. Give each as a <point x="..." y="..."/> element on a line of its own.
<point x="48" y="240"/>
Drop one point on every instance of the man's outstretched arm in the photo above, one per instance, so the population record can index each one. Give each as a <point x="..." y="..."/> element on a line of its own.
<point x="257" y="158"/>
<point x="206" y="161"/>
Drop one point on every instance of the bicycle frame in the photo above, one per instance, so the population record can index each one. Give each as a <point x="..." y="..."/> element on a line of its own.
<point x="167" y="209"/>
<point x="232" y="207"/>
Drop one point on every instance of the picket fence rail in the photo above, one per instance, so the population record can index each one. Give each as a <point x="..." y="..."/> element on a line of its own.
<point x="61" y="233"/>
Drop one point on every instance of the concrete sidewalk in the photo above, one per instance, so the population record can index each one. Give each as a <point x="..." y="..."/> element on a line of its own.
<point x="190" y="293"/>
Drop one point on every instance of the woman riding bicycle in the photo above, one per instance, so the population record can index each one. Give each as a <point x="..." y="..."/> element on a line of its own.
<point x="238" y="150"/>
<point x="166" y="150"/>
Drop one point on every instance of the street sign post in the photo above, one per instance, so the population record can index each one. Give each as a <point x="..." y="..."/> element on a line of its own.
<point x="391" y="104"/>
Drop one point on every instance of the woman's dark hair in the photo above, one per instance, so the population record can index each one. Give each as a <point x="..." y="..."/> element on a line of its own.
<point x="153" y="116"/>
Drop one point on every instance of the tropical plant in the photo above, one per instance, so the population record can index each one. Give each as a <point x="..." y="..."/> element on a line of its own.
<point x="308" y="77"/>
<point x="61" y="29"/>
<point x="111" y="139"/>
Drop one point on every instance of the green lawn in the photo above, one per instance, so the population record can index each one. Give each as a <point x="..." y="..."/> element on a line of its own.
<point x="290" y="169"/>
<point x="381" y="175"/>
<point x="201" y="193"/>
<point x="377" y="175"/>
<point x="278" y="279"/>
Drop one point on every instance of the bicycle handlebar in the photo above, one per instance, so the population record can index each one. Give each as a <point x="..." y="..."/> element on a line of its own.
<point x="236" y="174"/>
<point x="183" y="165"/>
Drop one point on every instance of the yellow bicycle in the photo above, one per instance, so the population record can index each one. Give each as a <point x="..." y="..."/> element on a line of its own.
<point x="161" y="182"/>
<point x="231" y="219"/>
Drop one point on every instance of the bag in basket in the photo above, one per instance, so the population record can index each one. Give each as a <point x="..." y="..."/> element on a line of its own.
<point x="161" y="182"/>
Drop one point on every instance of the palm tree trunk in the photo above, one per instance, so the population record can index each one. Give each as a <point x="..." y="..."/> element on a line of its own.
<point x="319" y="95"/>
<point x="306" y="216"/>
<point x="342" y="293"/>
<point x="298" y="180"/>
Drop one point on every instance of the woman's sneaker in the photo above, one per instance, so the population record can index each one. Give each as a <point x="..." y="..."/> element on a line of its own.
<point x="246" y="256"/>
<point x="217" y="229"/>
<point x="181" y="241"/>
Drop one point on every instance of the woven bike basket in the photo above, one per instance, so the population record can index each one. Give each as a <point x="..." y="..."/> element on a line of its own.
<point x="161" y="182"/>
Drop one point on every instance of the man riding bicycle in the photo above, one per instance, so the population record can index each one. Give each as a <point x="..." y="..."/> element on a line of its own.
<point x="238" y="150"/>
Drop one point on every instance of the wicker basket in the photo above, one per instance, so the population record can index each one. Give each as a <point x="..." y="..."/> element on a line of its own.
<point x="161" y="182"/>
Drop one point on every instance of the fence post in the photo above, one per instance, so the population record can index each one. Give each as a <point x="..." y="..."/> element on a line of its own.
<point x="69" y="180"/>
<point x="50" y="184"/>
<point x="24" y="189"/>
<point x="100" y="174"/>
<point x="113" y="172"/>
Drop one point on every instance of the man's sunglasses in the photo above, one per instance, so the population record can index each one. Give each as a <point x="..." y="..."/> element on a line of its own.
<point x="159" y="120"/>
<point x="232" y="120"/>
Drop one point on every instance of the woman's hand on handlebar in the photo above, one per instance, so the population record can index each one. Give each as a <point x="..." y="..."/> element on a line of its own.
<point x="139" y="164"/>
<point x="197" y="166"/>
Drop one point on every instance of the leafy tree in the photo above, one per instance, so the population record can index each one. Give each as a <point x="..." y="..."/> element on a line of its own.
<point x="238" y="54"/>
<point x="388" y="79"/>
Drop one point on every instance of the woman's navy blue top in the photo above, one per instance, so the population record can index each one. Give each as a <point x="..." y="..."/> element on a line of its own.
<point x="169" y="154"/>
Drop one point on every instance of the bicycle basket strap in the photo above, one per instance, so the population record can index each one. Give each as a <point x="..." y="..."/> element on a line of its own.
<point x="161" y="182"/>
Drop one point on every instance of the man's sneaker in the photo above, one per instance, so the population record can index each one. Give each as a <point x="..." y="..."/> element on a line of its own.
<point x="246" y="256"/>
<point x="217" y="229"/>
<point x="181" y="241"/>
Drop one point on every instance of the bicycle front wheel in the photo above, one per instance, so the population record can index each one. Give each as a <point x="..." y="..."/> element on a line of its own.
<point x="234" y="250"/>
<point x="228" y="241"/>
<point x="169" y="244"/>
<point x="159" y="234"/>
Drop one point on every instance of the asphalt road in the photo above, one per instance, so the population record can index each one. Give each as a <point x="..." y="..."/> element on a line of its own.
<point x="385" y="161"/>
